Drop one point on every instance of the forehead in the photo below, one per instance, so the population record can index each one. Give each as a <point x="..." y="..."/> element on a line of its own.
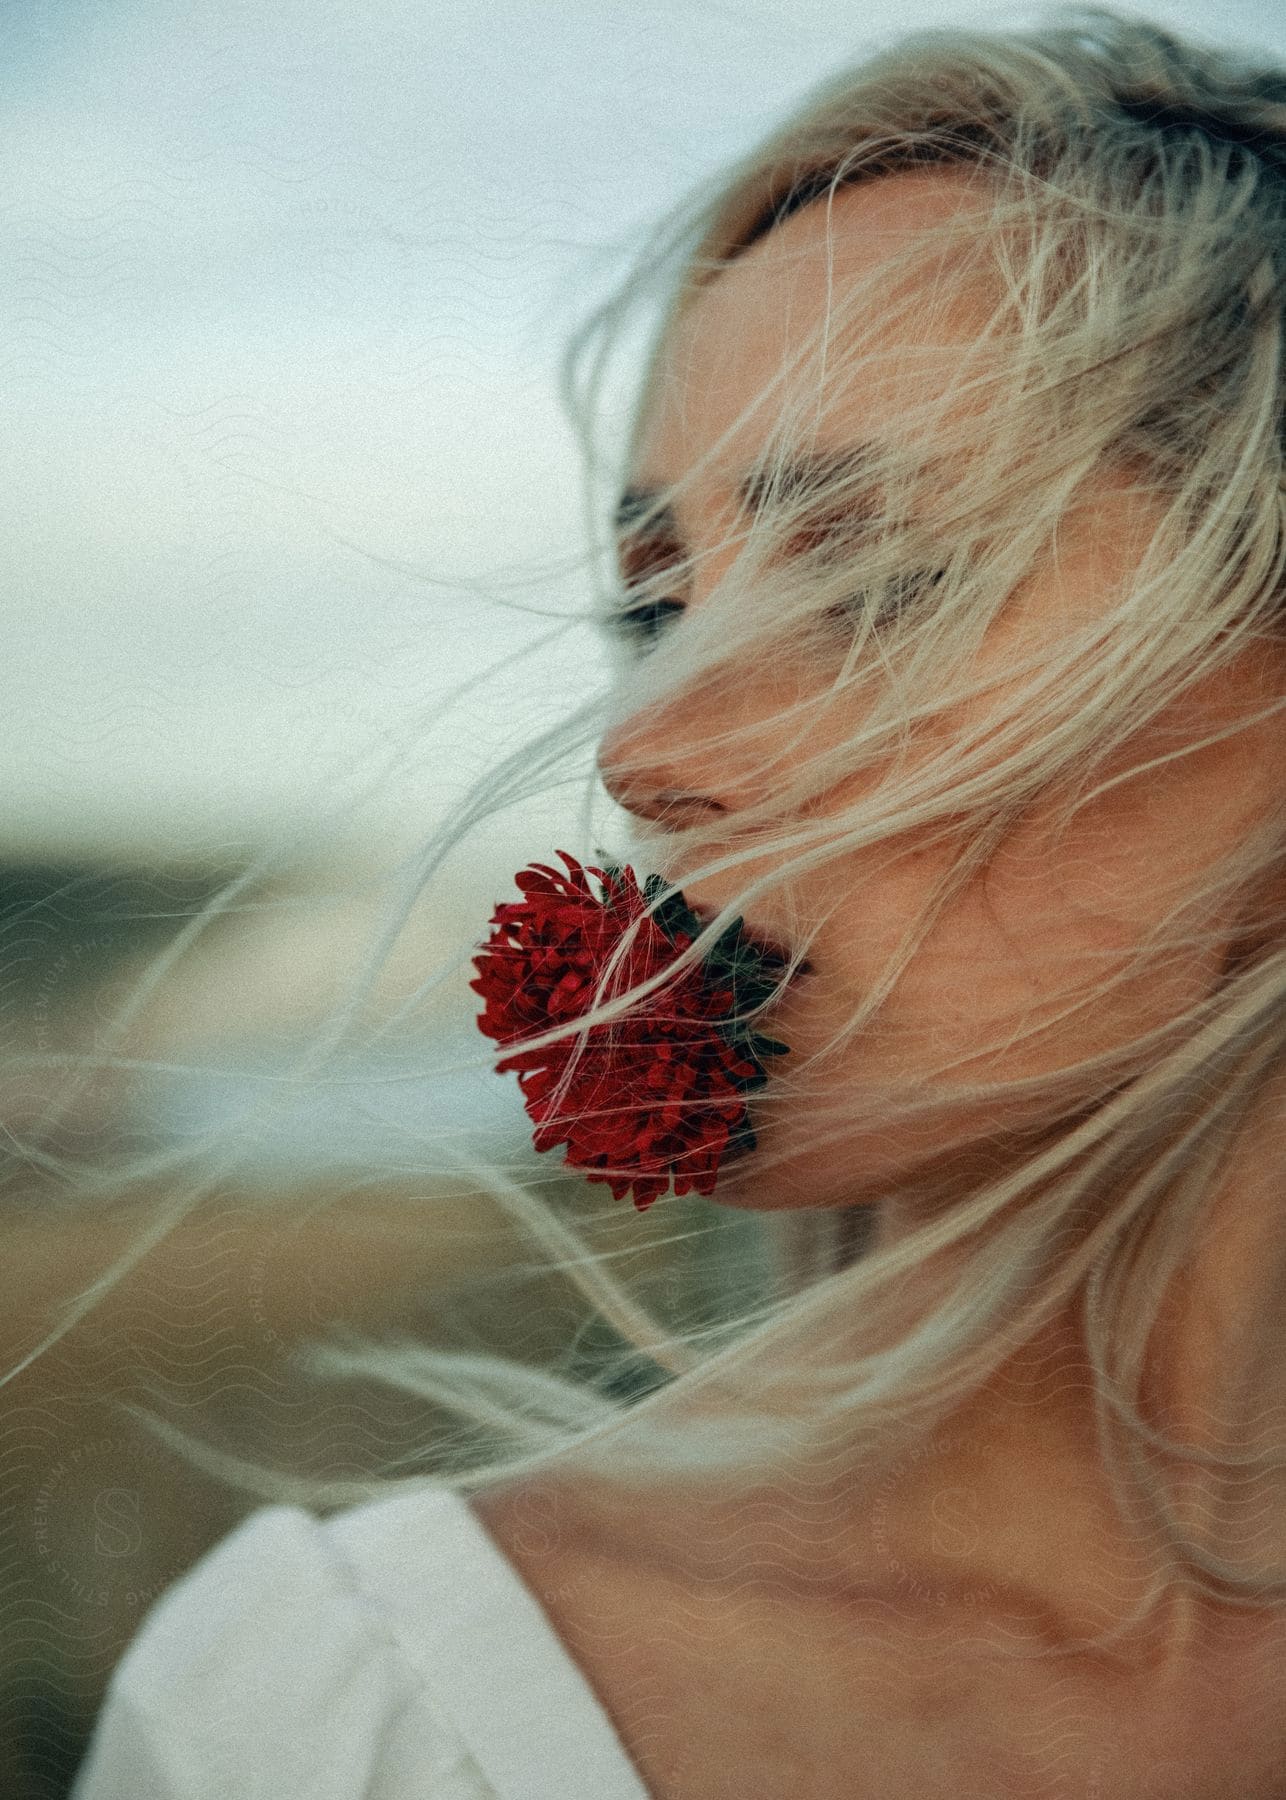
<point x="743" y="334"/>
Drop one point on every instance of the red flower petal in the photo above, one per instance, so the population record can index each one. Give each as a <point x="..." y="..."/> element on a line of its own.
<point x="654" y="1097"/>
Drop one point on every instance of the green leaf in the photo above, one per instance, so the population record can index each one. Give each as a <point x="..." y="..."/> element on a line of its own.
<point x="742" y="1139"/>
<point x="611" y="872"/>
<point x="675" y="916"/>
<point x="728" y="942"/>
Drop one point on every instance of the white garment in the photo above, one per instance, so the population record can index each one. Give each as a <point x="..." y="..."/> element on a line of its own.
<point x="391" y="1652"/>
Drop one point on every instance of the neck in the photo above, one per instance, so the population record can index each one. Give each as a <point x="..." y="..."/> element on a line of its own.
<point x="1025" y="1446"/>
<point x="1217" y="1364"/>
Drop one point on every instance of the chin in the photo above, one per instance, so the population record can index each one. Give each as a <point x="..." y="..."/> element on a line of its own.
<point x="784" y="1187"/>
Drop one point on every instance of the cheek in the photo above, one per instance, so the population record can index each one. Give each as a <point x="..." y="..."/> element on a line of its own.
<point x="985" y="962"/>
<point x="1017" y="949"/>
<point x="1061" y="913"/>
<point x="1150" y="843"/>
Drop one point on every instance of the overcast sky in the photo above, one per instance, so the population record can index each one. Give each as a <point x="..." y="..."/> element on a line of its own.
<point x="285" y="281"/>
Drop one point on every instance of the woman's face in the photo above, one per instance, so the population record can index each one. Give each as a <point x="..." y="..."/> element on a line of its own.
<point x="1043" y="916"/>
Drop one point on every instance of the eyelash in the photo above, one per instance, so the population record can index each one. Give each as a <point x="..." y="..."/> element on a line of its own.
<point x="899" y="595"/>
<point x="642" y="625"/>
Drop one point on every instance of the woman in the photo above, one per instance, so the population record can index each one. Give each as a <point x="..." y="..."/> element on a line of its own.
<point x="953" y="625"/>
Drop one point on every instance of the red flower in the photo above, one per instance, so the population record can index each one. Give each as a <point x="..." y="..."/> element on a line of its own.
<point x="658" y="1094"/>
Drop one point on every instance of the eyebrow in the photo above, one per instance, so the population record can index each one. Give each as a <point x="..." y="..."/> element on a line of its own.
<point x="795" y="476"/>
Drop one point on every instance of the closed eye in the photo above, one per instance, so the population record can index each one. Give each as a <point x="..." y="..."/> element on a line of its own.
<point x="640" y="626"/>
<point x="651" y="567"/>
<point x="889" y="603"/>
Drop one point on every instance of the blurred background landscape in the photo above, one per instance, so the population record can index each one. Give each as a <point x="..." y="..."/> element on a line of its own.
<point x="286" y="486"/>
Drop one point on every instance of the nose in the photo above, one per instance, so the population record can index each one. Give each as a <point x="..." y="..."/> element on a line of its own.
<point x="704" y="754"/>
<point x="650" y="788"/>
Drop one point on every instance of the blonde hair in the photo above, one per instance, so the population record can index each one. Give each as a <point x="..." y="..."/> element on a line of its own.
<point x="1131" y="193"/>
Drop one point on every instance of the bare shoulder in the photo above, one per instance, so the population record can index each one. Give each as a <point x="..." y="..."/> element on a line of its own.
<point x="710" y="1684"/>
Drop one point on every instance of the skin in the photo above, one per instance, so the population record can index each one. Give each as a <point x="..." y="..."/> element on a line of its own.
<point x="1009" y="949"/>
<point x="1013" y="947"/>
<point x="761" y="1637"/>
